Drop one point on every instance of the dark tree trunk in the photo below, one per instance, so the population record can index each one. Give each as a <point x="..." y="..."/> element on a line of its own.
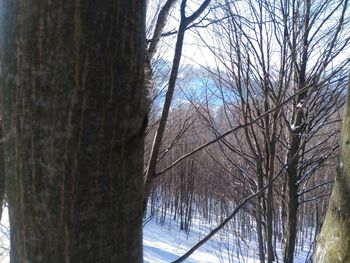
<point x="292" y="197"/>
<point x="74" y="106"/>
<point x="269" y="225"/>
<point x="292" y="176"/>
<point x="259" y="229"/>
<point x="292" y="217"/>
<point x="333" y="245"/>
<point x="2" y="170"/>
<point x="269" y="197"/>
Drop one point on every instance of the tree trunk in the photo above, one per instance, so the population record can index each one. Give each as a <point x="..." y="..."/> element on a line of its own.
<point x="292" y="217"/>
<point x="292" y="179"/>
<point x="271" y="152"/>
<point x="74" y="109"/>
<point x="333" y="243"/>
<point x="259" y="229"/>
<point x="269" y="225"/>
<point x="2" y="170"/>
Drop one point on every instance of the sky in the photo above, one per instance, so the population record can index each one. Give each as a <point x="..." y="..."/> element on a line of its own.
<point x="193" y="52"/>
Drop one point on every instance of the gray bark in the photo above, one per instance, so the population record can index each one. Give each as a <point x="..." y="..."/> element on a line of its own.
<point x="2" y="171"/>
<point x="333" y="243"/>
<point x="74" y="109"/>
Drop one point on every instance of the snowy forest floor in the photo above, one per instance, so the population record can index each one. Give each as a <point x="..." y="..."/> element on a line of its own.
<point x="165" y="243"/>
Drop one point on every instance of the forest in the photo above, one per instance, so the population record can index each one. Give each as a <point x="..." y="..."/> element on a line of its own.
<point x="126" y="115"/>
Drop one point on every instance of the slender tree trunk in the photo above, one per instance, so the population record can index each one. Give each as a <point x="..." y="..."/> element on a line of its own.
<point x="333" y="243"/>
<point x="283" y="210"/>
<point x="152" y="163"/>
<point x="259" y="230"/>
<point x="269" y="199"/>
<point x="292" y="178"/>
<point x="269" y="225"/>
<point x="151" y="169"/>
<point x="292" y="210"/>
<point x="259" y="212"/>
<point x="152" y="48"/>
<point x="292" y="205"/>
<point x="74" y="106"/>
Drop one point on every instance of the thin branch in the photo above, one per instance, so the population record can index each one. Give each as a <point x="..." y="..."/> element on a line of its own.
<point x="161" y="21"/>
<point x="315" y="187"/>
<point x="224" y="222"/>
<point x="201" y="147"/>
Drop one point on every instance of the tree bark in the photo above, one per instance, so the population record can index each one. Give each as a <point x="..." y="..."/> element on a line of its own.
<point x="292" y="191"/>
<point x="333" y="243"/>
<point x="259" y="230"/>
<point x="269" y="224"/>
<point x="74" y="109"/>
<point x="292" y="216"/>
<point x="2" y="171"/>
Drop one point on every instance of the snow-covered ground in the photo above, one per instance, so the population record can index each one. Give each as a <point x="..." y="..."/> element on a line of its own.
<point x="166" y="243"/>
<point x="4" y="237"/>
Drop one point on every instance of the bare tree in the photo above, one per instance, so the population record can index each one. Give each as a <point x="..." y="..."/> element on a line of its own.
<point x="246" y="49"/>
<point x="185" y="21"/>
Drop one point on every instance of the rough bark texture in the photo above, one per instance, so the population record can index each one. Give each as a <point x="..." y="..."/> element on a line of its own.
<point x="2" y="171"/>
<point x="292" y="214"/>
<point x="74" y="109"/>
<point x="333" y="244"/>
<point x="292" y="192"/>
<point x="293" y="160"/>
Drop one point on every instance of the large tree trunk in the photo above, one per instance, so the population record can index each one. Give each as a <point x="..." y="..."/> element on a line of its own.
<point x="293" y="157"/>
<point x="74" y="110"/>
<point x="333" y="243"/>
<point x="292" y="194"/>
<point x="2" y="170"/>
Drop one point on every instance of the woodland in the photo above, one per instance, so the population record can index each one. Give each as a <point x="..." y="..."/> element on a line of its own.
<point x="253" y="134"/>
<point x="118" y="113"/>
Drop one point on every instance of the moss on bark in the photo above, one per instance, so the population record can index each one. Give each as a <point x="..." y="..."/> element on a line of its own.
<point x="333" y="244"/>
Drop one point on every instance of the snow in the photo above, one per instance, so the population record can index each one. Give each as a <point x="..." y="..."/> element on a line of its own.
<point x="162" y="244"/>
<point x="165" y="243"/>
<point x="293" y="127"/>
<point x="300" y="104"/>
<point x="5" y="237"/>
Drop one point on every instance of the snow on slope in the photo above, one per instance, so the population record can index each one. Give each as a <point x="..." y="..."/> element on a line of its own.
<point x="5" y="237"/>
<point x="163" y="244"/>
